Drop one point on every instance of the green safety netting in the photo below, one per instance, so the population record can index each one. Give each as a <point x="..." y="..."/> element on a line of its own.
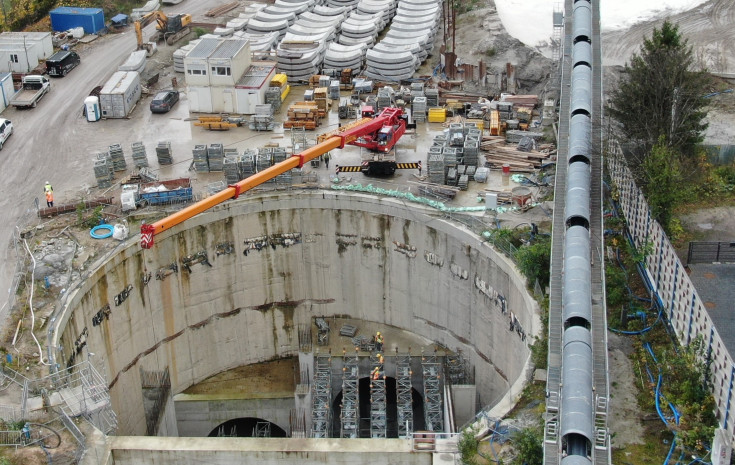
<point x="414" y="198"/>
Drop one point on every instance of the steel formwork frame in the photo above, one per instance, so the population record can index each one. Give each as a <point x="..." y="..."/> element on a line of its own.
<point x="378" y="404"/>
<point x="321" y="397"/>
<point x="350" y="397"/>
<point x="404" y="395"/>
<point x="432" y="375"/>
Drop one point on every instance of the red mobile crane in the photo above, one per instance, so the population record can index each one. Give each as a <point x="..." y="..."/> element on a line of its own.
<point x="380" y="134"/>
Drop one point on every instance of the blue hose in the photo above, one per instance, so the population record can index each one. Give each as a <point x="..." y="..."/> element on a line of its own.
<point x="104" y="235"/>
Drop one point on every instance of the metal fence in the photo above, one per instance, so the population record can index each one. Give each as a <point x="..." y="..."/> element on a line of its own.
<point x="672" y="287"/>
<point x="711" y="252"/>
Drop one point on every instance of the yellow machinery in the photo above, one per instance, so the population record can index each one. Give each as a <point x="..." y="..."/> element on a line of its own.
<point x="169" y="29"/>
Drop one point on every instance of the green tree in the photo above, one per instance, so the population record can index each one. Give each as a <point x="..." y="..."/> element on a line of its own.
<point x="534" y="261"/>
<point x="468" y="445"/>
<point x="527" y="443"/>
<point x="661" y="94"/>
<point x="663" y="183"/>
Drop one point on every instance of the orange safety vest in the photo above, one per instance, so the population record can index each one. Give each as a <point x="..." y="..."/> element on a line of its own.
<point x="49" y="196"/>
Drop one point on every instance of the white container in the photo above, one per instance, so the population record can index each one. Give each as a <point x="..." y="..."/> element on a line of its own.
<point x="92" y="106"/>
<point x="491" y="201"/>
<point x="120" y="94"/>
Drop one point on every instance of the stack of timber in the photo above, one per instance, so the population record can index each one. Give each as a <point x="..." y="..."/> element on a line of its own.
<point x="323" y="102"/>
<point x="497" y="153"/>
<point x="302" y="115"/>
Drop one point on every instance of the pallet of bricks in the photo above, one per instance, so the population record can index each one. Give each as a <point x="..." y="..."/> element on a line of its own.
<point x="302" y="115"/>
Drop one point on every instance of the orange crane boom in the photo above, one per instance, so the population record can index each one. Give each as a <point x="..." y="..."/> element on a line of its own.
<point x="336" y="140"/>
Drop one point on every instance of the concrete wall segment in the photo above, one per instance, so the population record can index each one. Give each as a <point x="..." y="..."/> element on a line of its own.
<point x="227" y="315"/>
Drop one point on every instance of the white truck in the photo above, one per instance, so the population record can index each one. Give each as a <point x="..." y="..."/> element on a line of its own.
<point x="34" y="87"/>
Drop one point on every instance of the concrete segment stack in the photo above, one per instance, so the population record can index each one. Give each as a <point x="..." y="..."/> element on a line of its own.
<point x="259" y="42"/>
<point x="300" y="59"/>
<point x="340" y="56"/>
<point x="350" y="4"/>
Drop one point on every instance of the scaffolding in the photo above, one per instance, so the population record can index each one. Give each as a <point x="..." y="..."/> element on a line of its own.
<point x="321" y="397"/>
<point x="432" y="374"/>
<point x="80" y="391"/>
<point x="262" y="429"/>
<point x="350" y="396"/>
<point x="378" y="404"/>
<point x="404" y="395"/>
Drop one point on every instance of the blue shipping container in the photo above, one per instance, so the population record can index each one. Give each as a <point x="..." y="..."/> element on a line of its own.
<point x="67" y="17"/>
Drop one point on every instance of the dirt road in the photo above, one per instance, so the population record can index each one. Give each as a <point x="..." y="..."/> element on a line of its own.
<point x="708" y="29"/>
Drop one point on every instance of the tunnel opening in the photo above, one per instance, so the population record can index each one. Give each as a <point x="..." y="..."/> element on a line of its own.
<point x="391" y="409"/>
<point x="248" y="427"/>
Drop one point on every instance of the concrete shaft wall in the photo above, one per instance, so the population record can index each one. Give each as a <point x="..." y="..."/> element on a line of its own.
<point x="358" y="256"/>
<point x="199" y="417"/>
<point x="219" y="451"/>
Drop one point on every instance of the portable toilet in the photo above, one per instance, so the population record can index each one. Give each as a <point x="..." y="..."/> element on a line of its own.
<point x="92" y="108"/>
